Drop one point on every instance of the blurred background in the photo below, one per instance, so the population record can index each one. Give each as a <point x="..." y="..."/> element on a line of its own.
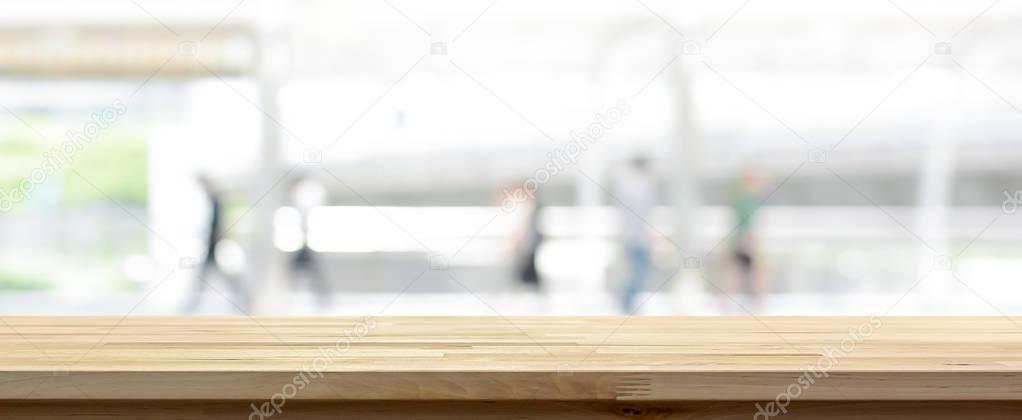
<point x="466" y="157"/>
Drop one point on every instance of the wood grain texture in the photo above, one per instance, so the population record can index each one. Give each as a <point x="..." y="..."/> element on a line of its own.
<point x="520" y="410"/>
<point x="502" y="359"/>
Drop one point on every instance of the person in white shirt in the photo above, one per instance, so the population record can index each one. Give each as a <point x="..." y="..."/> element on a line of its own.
<point x="635" y="193"/>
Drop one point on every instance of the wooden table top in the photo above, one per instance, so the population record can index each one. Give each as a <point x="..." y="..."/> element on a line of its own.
<point x="472" y="358"/>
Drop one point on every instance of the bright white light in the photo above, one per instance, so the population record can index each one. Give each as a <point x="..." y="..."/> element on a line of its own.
<point x="399" y="229"/>
<point x="287" y="229"/>
<point x="138" y="268"/>
<point x="230" y="256"/>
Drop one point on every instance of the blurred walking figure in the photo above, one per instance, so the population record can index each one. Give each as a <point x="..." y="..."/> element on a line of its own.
<point x="745" y="201"/>
<point x="635" y="191"/>
<point x="528" y="239"/>
<point x="209" y="262"/>
<point x="306" y="194"/>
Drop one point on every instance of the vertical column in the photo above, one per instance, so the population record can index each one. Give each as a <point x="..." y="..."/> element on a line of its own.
<point x="265" y="264"/>
<point x="935" y="183"/>
<point x="684" y="153"/>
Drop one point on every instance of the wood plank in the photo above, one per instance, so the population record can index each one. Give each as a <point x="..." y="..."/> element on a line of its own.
<point x="522" y="358"/>
<point x="486" y="410"/>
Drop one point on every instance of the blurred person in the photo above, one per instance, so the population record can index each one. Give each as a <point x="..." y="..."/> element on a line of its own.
<point x="527" y="239"/>
<point x="745" y="200"/>
<point x="636" y="195"/>
<point x="209" y="263"/>
<point x="305" y="194"/>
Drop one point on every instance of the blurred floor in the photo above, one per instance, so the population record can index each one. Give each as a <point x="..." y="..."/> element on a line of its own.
<point x="508" y="304"/>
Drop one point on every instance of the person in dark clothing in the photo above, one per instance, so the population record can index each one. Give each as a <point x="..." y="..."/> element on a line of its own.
<point x="209" y="262"/>
<point x="306" y="194"/>
<point x="528" y="238"/>
<point x="528" y="273"/>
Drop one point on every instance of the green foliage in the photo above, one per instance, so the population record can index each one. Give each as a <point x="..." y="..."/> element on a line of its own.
<point x="117" y="166"/>
<point x="115" y="163"/>
<point x="22" y="282"/>
<point x="18" y="155"/>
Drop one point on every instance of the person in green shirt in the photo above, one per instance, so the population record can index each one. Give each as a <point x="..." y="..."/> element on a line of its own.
<point x="745" y="202"/>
